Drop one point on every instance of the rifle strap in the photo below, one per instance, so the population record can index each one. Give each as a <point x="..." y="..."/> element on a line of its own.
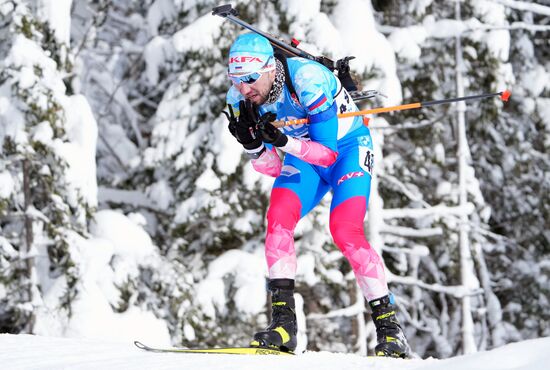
<point x="288" y="79"/>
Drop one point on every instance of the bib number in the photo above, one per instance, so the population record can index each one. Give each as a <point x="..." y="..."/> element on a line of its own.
<point x="366" y="159"/>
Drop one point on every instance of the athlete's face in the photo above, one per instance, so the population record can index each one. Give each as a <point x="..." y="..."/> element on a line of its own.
<point x="258" y="91"/>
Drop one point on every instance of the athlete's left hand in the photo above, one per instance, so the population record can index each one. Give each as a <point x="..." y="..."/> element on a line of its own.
<point x="269" y="133"/>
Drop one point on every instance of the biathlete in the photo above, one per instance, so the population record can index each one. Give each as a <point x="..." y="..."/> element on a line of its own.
<point x="327" y="154"/>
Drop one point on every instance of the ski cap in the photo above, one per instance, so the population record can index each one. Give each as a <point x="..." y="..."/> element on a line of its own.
<point x="250" y="53"/>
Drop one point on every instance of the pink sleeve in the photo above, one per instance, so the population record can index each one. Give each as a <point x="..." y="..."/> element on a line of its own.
<point x="310" y="152"/>
<point x="268" y="163"/>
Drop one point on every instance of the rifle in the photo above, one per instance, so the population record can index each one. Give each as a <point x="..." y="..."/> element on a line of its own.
<point x="341" y="66"/>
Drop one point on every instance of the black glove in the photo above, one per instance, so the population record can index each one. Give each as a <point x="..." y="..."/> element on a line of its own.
<point x="243" y="128"/>
<point x="269" y="133"/>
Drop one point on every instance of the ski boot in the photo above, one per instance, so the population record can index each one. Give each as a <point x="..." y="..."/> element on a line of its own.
<point x="281" y="333"/>
<point x="390" y="336"/>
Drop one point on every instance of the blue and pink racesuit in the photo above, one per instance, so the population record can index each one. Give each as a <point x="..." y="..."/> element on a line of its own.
<point x="327" y="154"/>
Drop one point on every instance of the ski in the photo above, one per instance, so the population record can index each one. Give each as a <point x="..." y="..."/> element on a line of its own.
<point x="217" y="351"/>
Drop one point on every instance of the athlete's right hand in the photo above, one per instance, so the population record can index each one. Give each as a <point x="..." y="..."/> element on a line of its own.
<point x="243" y="127"/>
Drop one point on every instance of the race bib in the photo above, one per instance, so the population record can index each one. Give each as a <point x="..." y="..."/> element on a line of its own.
<point x="366" y="159"/>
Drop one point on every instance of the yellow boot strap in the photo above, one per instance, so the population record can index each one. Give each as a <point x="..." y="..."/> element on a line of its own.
<point x="283" y="333"/>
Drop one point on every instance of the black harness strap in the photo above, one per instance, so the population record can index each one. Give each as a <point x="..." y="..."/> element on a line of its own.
<point x="288" y="81"/>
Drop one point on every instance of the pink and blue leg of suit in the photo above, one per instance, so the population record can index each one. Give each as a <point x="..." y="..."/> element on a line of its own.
<point x="300" y="187"/>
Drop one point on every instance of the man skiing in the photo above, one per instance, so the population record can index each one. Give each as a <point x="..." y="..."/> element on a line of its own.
<point x="326" y="154"/>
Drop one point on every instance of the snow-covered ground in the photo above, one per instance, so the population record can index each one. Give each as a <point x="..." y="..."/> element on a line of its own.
<point x="37" y="352"/>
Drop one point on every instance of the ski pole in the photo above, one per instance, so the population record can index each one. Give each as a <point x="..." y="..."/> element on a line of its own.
<point x="504" y="96"/>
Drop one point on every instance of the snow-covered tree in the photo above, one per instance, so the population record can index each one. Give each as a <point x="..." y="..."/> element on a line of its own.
<point x="48" y="190"/>
<point x="422" y="33"/>
<point x="510" y="150"/>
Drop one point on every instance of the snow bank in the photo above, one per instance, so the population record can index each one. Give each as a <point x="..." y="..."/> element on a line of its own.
<point x="104" y="262"/>
<point x="36" y="352"/>
<point x="248" y="271"/>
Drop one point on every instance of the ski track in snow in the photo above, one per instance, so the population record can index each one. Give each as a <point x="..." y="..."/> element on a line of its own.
<point x="37" y="352"/>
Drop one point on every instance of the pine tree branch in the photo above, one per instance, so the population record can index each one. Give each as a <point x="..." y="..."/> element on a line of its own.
<point x="132" y="198"/>
<point x="420" y="251"/>
<point x="522" y="5"/>
<point x="113" y="153"/>
<point x="353" y="310"/>
<point x="439" y="210"/>
<point x="512" y="26"/>
<point x="407" y="126"/>
<point x="404" y="189"/>
<point x="457" y="291"/>
<point x="416" y="198"/>
<point x="469" y="26"/>
<point x="410" y="232"/>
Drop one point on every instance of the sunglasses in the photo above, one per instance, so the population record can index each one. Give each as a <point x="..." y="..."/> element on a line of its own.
<point x="248" y="79"/>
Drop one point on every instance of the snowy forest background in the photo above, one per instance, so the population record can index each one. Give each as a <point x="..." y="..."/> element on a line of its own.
<point x="127" y="210"/>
